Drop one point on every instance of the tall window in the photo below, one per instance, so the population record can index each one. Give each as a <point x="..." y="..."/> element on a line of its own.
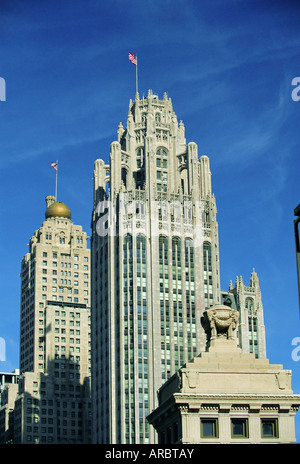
<point x="178" y="304"/>
<point x="128" y="332"/>
<point x="139" y="157"/>
<point x="141" y="301"/>
<point x="208" y="279"/>
<point x="140" y="164"/>
<point x="164" y="306"/>
<point x="135" y="338"/>
<point x="162" y="170"/>
<point x="190" y="298"/>
<point x="124" y="176"/>
<point x="252" y="327"/>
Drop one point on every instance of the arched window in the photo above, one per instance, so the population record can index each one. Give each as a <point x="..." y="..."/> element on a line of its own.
<point x="253" y="338"/>
<point x="139" y="158"/>
<point x="207" y="256"/>
<point x="141" y="246"/>
<point x="184" y="181"/>
<point x="162" y="152"/>
<point x="163" y="249"/>
<point x="162" y="169"/>
<point x="107" y="187"/>
<point x="249" y="304"/>
<point x="176" y="251"/>
<point x="62" y="239"/>
<point x="127" y="246"/>
<point x="189" y="252"/>
<point x="124" y="176"/>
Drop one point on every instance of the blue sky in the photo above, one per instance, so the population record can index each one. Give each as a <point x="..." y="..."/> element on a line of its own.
<point x="228" y="68"/>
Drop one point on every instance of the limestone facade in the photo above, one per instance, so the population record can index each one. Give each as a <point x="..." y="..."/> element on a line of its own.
<point x="226" y="396"/>
<point x="155" y="266"/>
<point x="54" y="272"/>
<point x="53" y="397"/>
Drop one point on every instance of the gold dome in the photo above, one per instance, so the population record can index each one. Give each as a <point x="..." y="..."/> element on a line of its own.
<point x="58" y="209"/>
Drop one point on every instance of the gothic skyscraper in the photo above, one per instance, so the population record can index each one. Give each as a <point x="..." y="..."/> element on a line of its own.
<point x="155" y="266"/>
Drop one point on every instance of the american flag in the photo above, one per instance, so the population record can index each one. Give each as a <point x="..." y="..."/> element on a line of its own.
<point x="54" y="165"/>
<point x="132" y="58"/>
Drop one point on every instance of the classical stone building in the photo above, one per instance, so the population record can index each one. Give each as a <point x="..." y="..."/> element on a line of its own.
<point x="155" y="267"/>
<point x="225" y="395"/>
<point x="53" y="399"/>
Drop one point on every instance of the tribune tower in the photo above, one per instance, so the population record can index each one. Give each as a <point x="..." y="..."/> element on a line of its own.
<point x="155" y="266"/>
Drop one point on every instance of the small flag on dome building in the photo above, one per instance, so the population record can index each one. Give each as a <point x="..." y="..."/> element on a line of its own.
<point x="133" y="58"/>
<point x="54" y="165"/>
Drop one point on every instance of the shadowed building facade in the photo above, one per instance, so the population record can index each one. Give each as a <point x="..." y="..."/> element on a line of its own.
<point x="52" y="403"/>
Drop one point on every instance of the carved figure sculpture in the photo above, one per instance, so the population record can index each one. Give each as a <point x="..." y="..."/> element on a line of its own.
<point x="222" y="321"/>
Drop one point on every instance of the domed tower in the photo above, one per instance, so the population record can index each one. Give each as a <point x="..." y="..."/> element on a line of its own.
<point x="55" y="306"/>
<point x="57" y="267"/>
<point x="56" y="208"/>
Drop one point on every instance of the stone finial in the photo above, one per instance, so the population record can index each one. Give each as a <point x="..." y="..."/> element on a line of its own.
<point x="254" y="279"/>
<point x="222" y="323"/>
<point x="121" y="131"/>
<point x="50" y="199"/>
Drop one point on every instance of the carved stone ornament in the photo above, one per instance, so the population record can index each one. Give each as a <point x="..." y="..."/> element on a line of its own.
<point x="283" y="380"/>
<point x="222" y="321"/>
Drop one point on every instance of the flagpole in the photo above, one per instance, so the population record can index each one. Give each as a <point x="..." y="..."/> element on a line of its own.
<point x="136" y="75"/>
<point x="133" y="59"/>
<point x="56" y="180"/>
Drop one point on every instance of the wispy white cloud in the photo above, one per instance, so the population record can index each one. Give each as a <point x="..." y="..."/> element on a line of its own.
<point x="30" y="153"/>
<point x="254" y="136"/>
